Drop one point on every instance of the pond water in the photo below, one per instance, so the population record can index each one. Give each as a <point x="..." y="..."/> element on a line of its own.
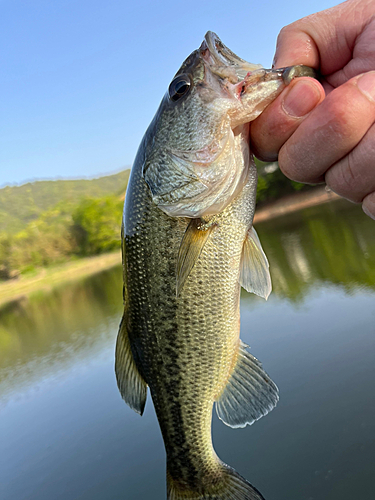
<point x="65" y="432"/>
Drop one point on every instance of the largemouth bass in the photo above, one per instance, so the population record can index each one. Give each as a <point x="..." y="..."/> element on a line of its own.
<point x="188" y="246"/>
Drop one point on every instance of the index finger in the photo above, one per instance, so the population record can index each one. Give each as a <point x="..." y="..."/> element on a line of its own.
<point x="324" y="40"/>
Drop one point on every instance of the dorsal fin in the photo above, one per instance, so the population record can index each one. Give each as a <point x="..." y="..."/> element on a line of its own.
<point x="132" y="387"/>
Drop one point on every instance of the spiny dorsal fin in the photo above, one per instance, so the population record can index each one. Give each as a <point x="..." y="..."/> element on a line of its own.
<point x="132" y="387"/>
<point x="249" y="394"/>
<point x="192" y="244"/>
<point x="254" y="273"/>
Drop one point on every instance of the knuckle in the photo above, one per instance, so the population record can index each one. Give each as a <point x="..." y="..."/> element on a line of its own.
<point x="348" y="172"/>
<point x="342" y="179"/>
<point x="342" y="120"/>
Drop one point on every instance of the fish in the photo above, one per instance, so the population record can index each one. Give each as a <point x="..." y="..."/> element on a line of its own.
<point x="188" y="245"/>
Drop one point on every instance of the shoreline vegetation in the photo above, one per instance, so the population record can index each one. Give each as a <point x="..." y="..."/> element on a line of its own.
<point x="293" y="202"/>
<point x="47" y="278"/>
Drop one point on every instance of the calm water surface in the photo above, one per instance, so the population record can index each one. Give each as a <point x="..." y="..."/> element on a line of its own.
<point x="66" y="434"/>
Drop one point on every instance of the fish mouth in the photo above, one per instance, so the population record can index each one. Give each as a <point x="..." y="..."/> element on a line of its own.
<point x="222" y="61"/>
<point x="226" y="64"/>
<point x="220" y="52"/>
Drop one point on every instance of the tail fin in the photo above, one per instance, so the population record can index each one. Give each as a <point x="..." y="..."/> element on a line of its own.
<point x="228" y="486"/>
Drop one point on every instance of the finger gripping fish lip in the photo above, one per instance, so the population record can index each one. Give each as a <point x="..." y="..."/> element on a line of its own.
<point x="291" y="72"/>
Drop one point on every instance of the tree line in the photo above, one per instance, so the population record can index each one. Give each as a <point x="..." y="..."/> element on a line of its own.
<point x="66" y="231"/>
<point x="90" y="226"/>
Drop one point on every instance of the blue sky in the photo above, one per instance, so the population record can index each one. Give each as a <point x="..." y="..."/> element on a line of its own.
<point x="81" y="80"/>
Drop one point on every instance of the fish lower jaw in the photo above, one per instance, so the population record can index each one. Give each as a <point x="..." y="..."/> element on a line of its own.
<point x="252" y="81"/>
<point x="252" y="103"/>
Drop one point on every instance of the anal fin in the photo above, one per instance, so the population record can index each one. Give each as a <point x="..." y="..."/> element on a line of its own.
<point x="249" y="394"/>
<point x="132" y="387"/>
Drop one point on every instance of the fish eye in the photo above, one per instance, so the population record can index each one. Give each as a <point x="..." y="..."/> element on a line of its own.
<point x="179" y="87"/>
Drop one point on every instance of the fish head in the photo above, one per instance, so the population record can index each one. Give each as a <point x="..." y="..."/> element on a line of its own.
<point x="197" y="153"/>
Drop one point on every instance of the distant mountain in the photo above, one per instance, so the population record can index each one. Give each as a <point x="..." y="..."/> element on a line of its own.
<point x="21" y="204"/>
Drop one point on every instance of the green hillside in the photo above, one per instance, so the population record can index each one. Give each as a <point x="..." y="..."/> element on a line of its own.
<point x="49" y="222"/>
<point x="19" y="205"/>
<point x="44" y="223"/>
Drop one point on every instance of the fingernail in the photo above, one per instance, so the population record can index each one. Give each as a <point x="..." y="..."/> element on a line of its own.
<point x="302" y="97"/>
<point x="366" y="84"/>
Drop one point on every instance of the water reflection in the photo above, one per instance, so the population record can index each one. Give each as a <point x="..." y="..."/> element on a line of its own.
<point x="52" y="331"/>
<point x="334" y="244"/>
<point x="75" y="438"/>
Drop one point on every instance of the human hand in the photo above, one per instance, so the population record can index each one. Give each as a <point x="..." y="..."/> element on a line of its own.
<point x="330" y="138"/>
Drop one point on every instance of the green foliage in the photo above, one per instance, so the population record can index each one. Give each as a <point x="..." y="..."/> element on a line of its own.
<point x="273" y="184"/>
<point x="68" y="229"/>
<point x="80" y="223"/>
<point x="5" y="256"/>
<point x="47" y="222"/>
<point x="262" y="188"/>
<point x="44" y="241"/>
<point x="20" y="205"/>
<point x="96" y="225"/>
<point x="298" y="186"/>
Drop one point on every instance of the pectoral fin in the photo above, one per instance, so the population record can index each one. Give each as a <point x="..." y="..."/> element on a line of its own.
<point x="132" y="387"/>
<point x="190" y="249"/>
<point x="254" y="274"/>
<point x="249" y="394"/>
